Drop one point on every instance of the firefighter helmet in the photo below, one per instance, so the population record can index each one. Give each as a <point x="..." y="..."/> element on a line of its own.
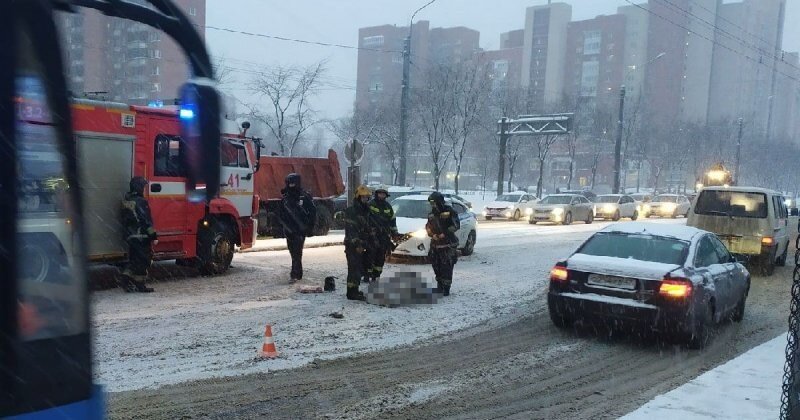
<point x="382" y="189"/>
<point x="363" y="191"/>
<point x="293" y="178"/>
<point x="138" y="184"/>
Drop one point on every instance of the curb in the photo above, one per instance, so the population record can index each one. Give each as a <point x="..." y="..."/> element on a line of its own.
<point x="284" y="247"/>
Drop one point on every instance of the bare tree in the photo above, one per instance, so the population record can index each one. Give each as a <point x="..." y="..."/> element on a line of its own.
<point x="287" y="92"/>
<point x="470" y="88"/>
<point x="513" y="150"/>
<point x="434" y="109"/>
<point x="543" y="145"/>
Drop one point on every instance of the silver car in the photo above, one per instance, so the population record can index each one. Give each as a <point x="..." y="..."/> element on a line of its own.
<point x="562" y="208"/>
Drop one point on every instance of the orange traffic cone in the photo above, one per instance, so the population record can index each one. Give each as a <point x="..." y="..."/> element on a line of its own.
<point x="268" y="349"/>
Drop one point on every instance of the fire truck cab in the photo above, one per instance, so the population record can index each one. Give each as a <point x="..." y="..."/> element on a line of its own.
<point x="117" y="142"/>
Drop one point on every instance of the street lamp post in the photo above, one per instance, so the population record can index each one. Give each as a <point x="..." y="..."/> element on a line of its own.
<point x="738" y="151"/>
<point x="404" y="98"/>
<point x="618" y="143"/>
<point x="620" y="125"/>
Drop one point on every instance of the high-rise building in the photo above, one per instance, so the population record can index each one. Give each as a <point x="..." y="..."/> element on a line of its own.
<point x="636" y="25"/>
<point x="380" y="59"/>
<point x="505" y="66"/>
<point x="747" y="59"/>
<point x="512" y="39"/>
<point x="595" y="58"/>
<point x="123" y="60"/>
<point x="543" y="53"/>
<point x="677" y="87"/>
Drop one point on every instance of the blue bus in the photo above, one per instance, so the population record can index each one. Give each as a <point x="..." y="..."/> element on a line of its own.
<point x="45" y="334"/>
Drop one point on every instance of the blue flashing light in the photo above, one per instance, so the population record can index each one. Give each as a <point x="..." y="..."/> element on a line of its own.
<point x="186" y="114"/>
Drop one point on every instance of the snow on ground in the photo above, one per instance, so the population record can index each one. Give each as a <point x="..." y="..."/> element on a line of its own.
<point x="195" y="327"/>
<point x="747" y="387"/>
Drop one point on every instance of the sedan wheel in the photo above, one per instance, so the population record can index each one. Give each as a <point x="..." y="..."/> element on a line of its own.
<point x="567" y="219"/>
<point x="589" y="218"/>
<point x="469" y="247"/>
<point x="635" y="215"/>
<point x="616" y="216"/>
<point x="516" y="215"/>
<point x="701" y="334"/>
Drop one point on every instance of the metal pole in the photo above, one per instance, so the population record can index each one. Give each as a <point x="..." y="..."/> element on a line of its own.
<point x="501" y="165"/>
<point x="618" y="143"/>
<point x="401" y="173"/>
<point x="738" y="152"/>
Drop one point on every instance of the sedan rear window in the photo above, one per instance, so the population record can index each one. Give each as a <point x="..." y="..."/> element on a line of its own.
<point x="636" y="246"/>
<point x="732" y="203"/>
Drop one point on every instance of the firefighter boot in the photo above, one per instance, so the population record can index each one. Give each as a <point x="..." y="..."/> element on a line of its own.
<point x="446" y="290"/>
<point x="139" y="282"/>
<point x="354" y="294"/>
<point x="439" y="288"/>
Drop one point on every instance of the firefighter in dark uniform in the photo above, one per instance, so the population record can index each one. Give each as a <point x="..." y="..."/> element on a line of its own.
<point x="140" y="236"/>
<point x="385" y="232"/>
<point x="442" y="226"/>
<point x="297" y="215"/>
<point x="358" y="238"/>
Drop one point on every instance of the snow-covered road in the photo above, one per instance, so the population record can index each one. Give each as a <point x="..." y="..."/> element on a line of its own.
<point x="195" y="328"/>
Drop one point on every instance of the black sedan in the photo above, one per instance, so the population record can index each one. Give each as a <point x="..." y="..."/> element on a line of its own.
<point x="674" y="280"/>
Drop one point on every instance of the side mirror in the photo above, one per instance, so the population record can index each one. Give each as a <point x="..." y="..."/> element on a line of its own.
<point x="200" y="130"/>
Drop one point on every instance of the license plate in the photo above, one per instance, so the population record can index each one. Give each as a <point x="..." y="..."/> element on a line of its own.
<point x="612" y="281"/>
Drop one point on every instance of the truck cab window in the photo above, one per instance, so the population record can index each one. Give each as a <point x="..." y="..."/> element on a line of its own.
<point x="168" y="156"/>
<point x="233" y="155"/>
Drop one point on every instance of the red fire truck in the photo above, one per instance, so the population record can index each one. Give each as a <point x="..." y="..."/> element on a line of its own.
<point x="116" y="142"/>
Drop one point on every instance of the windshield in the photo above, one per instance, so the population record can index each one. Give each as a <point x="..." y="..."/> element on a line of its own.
<point x="637" y="247"/>
<point x="607" y="199"/>
<point x="556" y="199"/>
<point x="414" y="209"/>
<point x="731" y="203"/>
<point x="640" y="197"/>
<point x="508" y="197"/>
<point x="666" y="199"/>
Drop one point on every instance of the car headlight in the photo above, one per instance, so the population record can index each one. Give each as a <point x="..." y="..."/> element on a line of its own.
<point x="670" y="207"/>
<point x="528" y="212"/>
<point x="484" y="212"/>
<point x="608" y="208"/>
<point x="507" y="214"/>
<point x="558" y="210"/>
<point x="422" y="233"/>
<point x="646" y="208"/>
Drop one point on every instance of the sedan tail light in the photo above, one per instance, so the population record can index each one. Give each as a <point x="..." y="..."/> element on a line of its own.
<point x="675" y="288"/>
<point x="559" y="274"/>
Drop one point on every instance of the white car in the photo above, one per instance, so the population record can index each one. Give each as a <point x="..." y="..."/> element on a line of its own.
<point x="513" y="205"/>
<point x="615" y="207"/>
<point x="667" y="205"/>
<point x="411" y="212"/>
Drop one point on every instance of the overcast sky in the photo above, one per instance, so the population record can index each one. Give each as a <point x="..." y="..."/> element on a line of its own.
<point x="337" y="22"/>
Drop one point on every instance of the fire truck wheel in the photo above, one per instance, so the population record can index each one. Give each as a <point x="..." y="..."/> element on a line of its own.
<point x="324" y="221"/>
<point x="217" y="249"/>
<point x="263" y="222"/>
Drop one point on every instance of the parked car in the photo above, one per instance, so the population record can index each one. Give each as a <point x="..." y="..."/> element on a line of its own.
<point x="411" y="213"/>
<point x="667" y="205"/>
<point x="513" y="205"/>
<point x="446" y="195"/>
<point x="752" y="222"/>
<point x="675" y="280"/>
<point x="562" y="208"/>
<point x="642" y="198"/>
<point x="615" y="206"/>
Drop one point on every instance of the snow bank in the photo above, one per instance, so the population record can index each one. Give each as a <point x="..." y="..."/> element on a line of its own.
<point x="747" y="387"/>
